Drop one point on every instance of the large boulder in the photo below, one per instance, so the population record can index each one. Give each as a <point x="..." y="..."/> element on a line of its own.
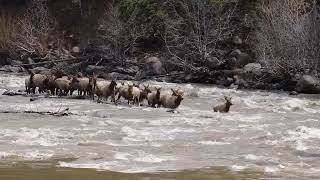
<point x="254" y="68"/>
<point x="213" y="62"/>
<point x="153" y="66"/>
<point x="308" y="84"/>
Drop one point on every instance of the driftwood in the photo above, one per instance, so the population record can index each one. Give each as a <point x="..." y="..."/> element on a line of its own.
<point x="55" y="61"/>
<point x="58" y="114"/>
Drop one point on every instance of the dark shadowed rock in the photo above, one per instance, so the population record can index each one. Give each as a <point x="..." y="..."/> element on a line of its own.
<point x="16" y="62"/>
<point x="244" y="59"/>
<point x="213" y="62"/>
<point x="308" y="84"/>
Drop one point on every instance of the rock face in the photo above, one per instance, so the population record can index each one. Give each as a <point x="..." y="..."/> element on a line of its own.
<point x="308" y="84"/>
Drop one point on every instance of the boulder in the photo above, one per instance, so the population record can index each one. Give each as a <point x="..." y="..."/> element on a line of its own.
<point x="308" y="84"/>
<point x="152" y="67"/>
<point x="213" y="62"/>
<point x="16" y="62"/>
<point x="253" y="68"/>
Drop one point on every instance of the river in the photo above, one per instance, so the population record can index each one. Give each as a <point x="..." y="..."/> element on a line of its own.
<point x="266" y="135"/>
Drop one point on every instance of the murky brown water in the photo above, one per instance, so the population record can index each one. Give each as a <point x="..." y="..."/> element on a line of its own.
<point x="267" y="135"/>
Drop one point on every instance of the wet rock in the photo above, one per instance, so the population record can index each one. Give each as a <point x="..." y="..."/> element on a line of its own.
<point x="293" y="93"/>
<point x="14" y="69"/>
<point x="237" y="40"/>
<point x="240" y="82"/>
<point x="253" y="68"/>
<point x="308" y="84"/>
<point x="102" y="114"/>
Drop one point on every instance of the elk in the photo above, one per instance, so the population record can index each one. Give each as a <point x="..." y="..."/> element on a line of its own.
<point x="224" y="108"/>
<point x="125" y="91"/>
<point x="39" y="80"/>
<point x="154" y="98"/>
<point x="105" y="90"/>
<point x="173" y="100"/>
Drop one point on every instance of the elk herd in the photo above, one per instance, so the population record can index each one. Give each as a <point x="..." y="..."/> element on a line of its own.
<point x="60" y="84"/>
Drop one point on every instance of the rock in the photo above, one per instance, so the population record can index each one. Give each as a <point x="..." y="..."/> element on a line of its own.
<point x="117" y="76"/>
<point x="213" y="62"/>
<point x="95" y="69"/>
<point x="234" y="86"/>
<point x="152" y="67"/>
<point x="16" y="62"/>
<point x="232" y="62"/>
<point x="240" y="82"/>
<point x="244" y="59"/>
<point x="14" y="69"/>
<point x="41" y="70"/>
<point x="253" y="68"/>
<point x="308" y="84"/>
<point x="75" y="50"/>
<point x="30" y="61"/>
<point x="293" y="93"/>
<point x="130" y="70"/>
<point x="235" y="53"/>
<point x="236" y="40"/>
<point x="102" y="114"/>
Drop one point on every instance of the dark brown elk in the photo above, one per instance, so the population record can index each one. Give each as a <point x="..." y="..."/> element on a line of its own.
<point x="223" y="108"/>
<point x="154" y="98"/>
<point x="105" y="90"/>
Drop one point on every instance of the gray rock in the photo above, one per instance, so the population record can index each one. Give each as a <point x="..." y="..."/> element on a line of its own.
<point x="235" y="53"/>
<point x="152" y="67"/>
<point x="213" y="62"/>
<point x="232" y="62"/>
<point x="293" y="93"/>
<point x="95" y="69"/>
<point x="236" y="40"/>
<point x="253" y="68"/>
<point x="102" y="114"/>
<point x="30" y="61"/>
<point x="16" y="62"/>
<point x="308" y="84"/>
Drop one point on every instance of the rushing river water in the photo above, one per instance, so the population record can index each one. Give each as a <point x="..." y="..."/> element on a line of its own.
<point x="266" y="135"/>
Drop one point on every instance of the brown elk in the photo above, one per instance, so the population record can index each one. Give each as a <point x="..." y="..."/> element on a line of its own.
<point x="224" y="108"/>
